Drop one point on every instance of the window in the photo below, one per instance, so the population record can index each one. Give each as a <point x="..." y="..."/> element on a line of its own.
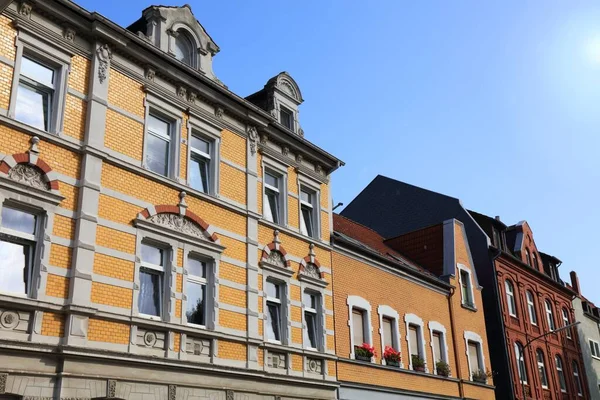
<point x="150" y="298"/>
<point x="414" y="340"/>
<point x="274" y="320"/>
<point x="35" y="94"/>
<point x="475" y="356"/>
<point x="286" y="118"/>
<point x="308" y="211"/>
<point x="195" y="291"/>
<point x="561" y="374"/>
<point x="531" y="308"/>
<point x="549" y="315"/>
<point x="17" y="250"/>
<point x="577" y="378"/>
<point x="158" y="146"/>
<point x="438" y="355"/>
<point x="388" y="332"/>
<point x="535" y="262"/>
<point x="565" y="316"/>
<point x="541" y="368"/>
<point x="466" y="289"/>
<point x="595" y="348"/>
<point x="201" y="165"/>
<point x="358" y="327"/>
<point x="311" y="307"/>
<point x="498" y="239"/>
<point x="272" y="201"/>
<point x="184" y="49"/>
<point x="521" y="362"/>
<point x="510" y="298"/>
<point x="528" y="256"/>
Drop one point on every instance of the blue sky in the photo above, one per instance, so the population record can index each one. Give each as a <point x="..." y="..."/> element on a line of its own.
<point x="496" y="104"/>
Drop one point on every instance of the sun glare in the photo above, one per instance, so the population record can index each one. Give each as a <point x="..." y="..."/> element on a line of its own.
<point x="593" y="50"/>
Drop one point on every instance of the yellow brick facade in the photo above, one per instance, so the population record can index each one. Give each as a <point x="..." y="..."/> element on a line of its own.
<point x="53" y="324"/>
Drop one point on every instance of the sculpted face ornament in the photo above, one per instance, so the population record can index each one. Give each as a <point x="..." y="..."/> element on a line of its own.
<point x="104" y="54"/>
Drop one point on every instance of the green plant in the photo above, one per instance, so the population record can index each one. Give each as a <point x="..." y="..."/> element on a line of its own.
<point x="417" y="362"/>
<point x="482" y="375"/>
<point x="391" y="354"/>
<point x="442" y="368"/>
<point x="364" y="350"/>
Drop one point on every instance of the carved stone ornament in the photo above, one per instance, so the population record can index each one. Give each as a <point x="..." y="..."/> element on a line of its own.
<point x="319" y="169"/>
<point x="104" y="54"/>
<point x="276" y="258"/>
<point x="285" y="150"/>
<point x="230" y="395"/>
<point x="264" y="138"/>
<point x="192" y="97"/>
<point x="299" y="158"/>
<point x="3" y="379"/>
<point x="314" y="365"/>
<point x="150" y="339"/>
<point x="69" y="33"/>
<point x="172" y="392"/>
<point x="312" y="271"/>
<point x="25" y="9"/>
<point x="274" y="113"/>
<point x="301" y="132"/>
<point x="219" y="112"/>
<point x="28" y="175"/>
<point x="181" y="92"/>
<point x="111" y="388"/>
<point x="178" y="223"/>
<point x="253" y="137"/>
<point x="150" y="73"/>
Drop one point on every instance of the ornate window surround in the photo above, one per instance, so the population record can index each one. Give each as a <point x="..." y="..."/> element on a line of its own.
<point x="281" y="170"/>
<point x="357" y="302"/>
<point x="412" y="319"/>
<point x="213" y="134"/>
<point x="307" y="275"/>
<point x="462" y="267"/>
<point x="474" y="337"/>
<point x="315" y="187"/>
<point x="57" y="56"/>
<point x="435" y="326"/>
<point x="194" y="39"/>
<point x="388" y="312"/>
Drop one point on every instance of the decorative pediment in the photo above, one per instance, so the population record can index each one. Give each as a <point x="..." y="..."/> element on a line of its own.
<point x="286" y="84"/>
<point x="178" y="223"/>
<point x="310" y="268"/>
<point x="274" y="254"/>
<point x="29" y="175"/>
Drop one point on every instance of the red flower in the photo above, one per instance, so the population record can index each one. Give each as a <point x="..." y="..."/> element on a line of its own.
<point x="366" y="349"/>
<point x="391" y="354"/>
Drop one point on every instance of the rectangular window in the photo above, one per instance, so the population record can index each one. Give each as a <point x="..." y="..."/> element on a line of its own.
<point x="272" y="201"/>
<point x="17" y="250"/>
<point x="474" y="357"/>
<point x="388" y="332"/>
<point x="158" y="146"/>
<point x="498" y="239"/>
<point x="311" y="305"/>
<point x="438" y="354"/>
<point x="308" y="210"/>
<point x="35" y="94"/>
<point x="531" y="308"/>
<point x="150" y="298"/>
<point x="274" y="319"/>
<point x="201" y="164"/>
<point x="195" y="291"/>
<point x="414" y="340"/>
<point x="287" y="118"/>
<point x="358" y="327"/>
<point x="467" y="293"/>
<point x="595" y="348"/>
<point x="565" y="315"/>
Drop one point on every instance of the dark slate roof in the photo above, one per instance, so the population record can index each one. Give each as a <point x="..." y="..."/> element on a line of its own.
<point x="393" y="208"/>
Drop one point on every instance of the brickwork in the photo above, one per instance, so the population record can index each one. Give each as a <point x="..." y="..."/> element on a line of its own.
<point x="117" y="210"/>
<point x="115" y="240"/>
<point x="233" y="148"/>
<point x="233" y="320"/>
<point x="6" y="76"/>
<point x="107" y="331"/>
<point x="297" y="362"/>
<point x="53" y="324"/>
<point x="64" y="227"/>
<point x="79" y="78"/>
<point x="113" y="267"/>
<point x="125" y="93"/>
<point x="60" y="256"/>
<point x="232" y="351"/>
<point x="7" y="41"/>
<point x="111" y="295"/>
<point x="57" y="286"/>
<point x="232" y="273"/>
<point x="234" y="248"/>
<point x="130" y="144"/>
<point x="233" y="183"/>
<point x="232" y="296"/>
<point x="183" y="151"/>
<point x="75" y="114"/>
<point x="71" y="195"/>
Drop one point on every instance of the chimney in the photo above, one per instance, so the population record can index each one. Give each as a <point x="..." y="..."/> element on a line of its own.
<point x="497" y="218"/>
<point x="575" y="282"/>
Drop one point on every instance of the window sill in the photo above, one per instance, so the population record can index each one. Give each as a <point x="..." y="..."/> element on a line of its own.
<point x="470" y="307"/>
<point x="398" y="369"/>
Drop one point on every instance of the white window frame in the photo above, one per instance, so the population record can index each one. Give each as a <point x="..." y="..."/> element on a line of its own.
<point x="317" y="312"/>
<point x="315" y="209"/>
<point x="280" y="170"/>
<point x="578" y="382"/>
<point x="284" y="109"/>
<point x="281" y="276"/>
<point x="565" y="318"/>
<point x="541" y="366"/>
<point x="280" y="301"/>
<point x="54" y="56"/>
<point x="595" y="349"/>
<point x="549" y="315"/>
<point x="531" y="310"/>
<point x="474" y="337"/>
<point x="212" y="134"/>
<point x="412" y="319"/>
<point x="357" y="302"/>
<point x="385" y="311"/>
<point x="162" y="271"/>
<point x="560" y="371"/>
<point x="509" y="288"/>
<point x="203" y="281"/>
<point x="195" y="42"/>
<point x="463" y="268"/>
<point x="520" y="357"/>
<point x="436" y="327"/>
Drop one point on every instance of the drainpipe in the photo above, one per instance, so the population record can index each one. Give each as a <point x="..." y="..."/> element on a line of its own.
<point x="457" y="356"/>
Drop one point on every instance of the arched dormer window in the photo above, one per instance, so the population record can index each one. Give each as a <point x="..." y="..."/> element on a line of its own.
<point x="184" y="48"/>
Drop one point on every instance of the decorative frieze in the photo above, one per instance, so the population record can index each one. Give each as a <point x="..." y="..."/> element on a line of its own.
<point x="276" y="360"/>
<point x="14" y="320"/>
<point x="197" y="346"/>
<point x="104" y="54"/>
<point x="150" y="339"/>
<point x="253" y="138"/>
<point x="178" y="223"/>
<point x="314" y="366"/>
<point x="28" y="175"/>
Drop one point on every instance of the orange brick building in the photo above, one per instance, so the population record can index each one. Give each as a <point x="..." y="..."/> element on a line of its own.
<point x="161" y="236"/>
<point x="429" y="312"/>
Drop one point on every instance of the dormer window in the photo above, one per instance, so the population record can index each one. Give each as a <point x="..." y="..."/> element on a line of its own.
<point x="184" y="49"/>
<point x="286" y="117"/>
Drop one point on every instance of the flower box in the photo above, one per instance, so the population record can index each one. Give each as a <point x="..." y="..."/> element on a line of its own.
<point x="392" y="363"/>
<point x="362" y="358"/>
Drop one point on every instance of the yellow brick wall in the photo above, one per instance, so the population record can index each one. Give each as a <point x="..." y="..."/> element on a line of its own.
<point x="232" y="183"/>
<point x="74" y="117"/>
<point x="79" y="77"/>
<point x="293" y="212"/>
<point x="232" y="296"/>
<point x="233" y="148"/>
<point x="64" y="227"/>
<point x="71" y="194"/>
<point x="57" y="286"/>
<point x="325" y="202"/>
<point x="179" y="283"/>
<point x="325" y="233"/>
<point x="6" y="76"/>
<point x="111" y="295"/>
<point x="116" y="210"/>
<point x="233" y="320"/>
<point x="478" y="392"/>
<point x="231" y="350"/>
<point x="183" y="155"/>
<point x="232" y="273"/>
<point x="53" y="324"/>
<point x="125" y="93"/>
<point x="292" y="180"/>
<point x="113" y="239"/>
<point x="114" y="139"/>
<point x="178" y="305"/>
<point x="60" y="256"/>
<point x="176" y="342"/>
<point x="297" y="362"/>
<point x="7" y="38"/>
<point x="113" y="267"/>
<point x="296" y="335"/>
<point x="233" y="248"/>
<point x="106" y="331"/>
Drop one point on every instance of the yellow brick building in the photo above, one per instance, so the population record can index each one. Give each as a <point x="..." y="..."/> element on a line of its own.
<point x="166" y="237"/>
<point x="425" y="324"/>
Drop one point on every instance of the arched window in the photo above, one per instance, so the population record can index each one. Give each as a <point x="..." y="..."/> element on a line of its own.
<point x="528" y="256"/>
<point x="542" y="368"/>
<point x="184" y="48"/>
<point x="561" y="374"/>
<point x="531" y="308"/>
<point x="565" y="316"/>
<point x="510" y="298"/>
<point x="521" y="362"/>
<point x="577" y="378"/>
<point x="550" y="315"/>
<point x="535" y="261"/>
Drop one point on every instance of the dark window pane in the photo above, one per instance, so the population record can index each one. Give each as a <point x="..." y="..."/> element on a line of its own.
<point x="152" y="255"/>
<point x="150" y="293"/>
<point x="158" y="126"/>
<point x="14" y="268"/>
<point x="307" y="221"/>
<point x="18" y="220"/>
<point x="33" y="106"/>
<point x="196" y="268"/>
<point x="271" y="180"/>
<point x="287" y="118"/>
<point x="196" y="300"/>
<point x="273" y="322"/>
<point x="273" y="290"/>
<point x="183" y="48"/>
<point x="199" y="173"/>
<point x="272" y="206"/>
<point x="157" y="157"/>
<point x="311" y="328"/>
